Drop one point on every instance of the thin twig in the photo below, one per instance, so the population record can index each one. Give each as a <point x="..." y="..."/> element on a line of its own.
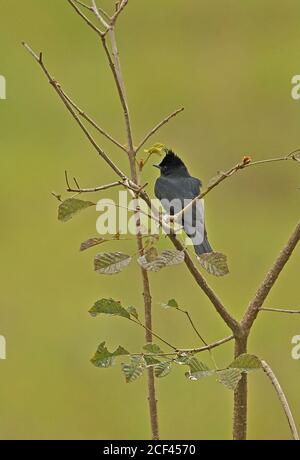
<point x="267" y="369"/>
<point x="95" y="189"/>
<point x="280" y="310"/>
<point x="85" y="18"/>
<point x="245" y="163"/>
<point x="157" y="127"/>
<point x="207" y="347"/>
<point x="153" y="333"/>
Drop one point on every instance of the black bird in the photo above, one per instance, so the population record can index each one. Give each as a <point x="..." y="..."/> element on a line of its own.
<point x="175" y="188"/>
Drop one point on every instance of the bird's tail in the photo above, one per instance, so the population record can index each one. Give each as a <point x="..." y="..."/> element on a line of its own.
<point x="203" y="247"/>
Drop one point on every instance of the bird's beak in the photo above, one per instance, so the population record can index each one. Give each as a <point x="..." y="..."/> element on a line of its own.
<point x="156" y="166"/>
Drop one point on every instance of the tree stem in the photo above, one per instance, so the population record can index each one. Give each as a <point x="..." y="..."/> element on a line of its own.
<point x="240" y="396"/>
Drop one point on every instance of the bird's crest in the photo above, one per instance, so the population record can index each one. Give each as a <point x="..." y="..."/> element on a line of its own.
<point x="171" y="159"/>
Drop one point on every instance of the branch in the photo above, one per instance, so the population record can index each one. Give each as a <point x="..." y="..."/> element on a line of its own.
<point x="269" y="281"/>
<point x="245" y="163"/>
<point x="85" y="18"/>
<point x="207" y="347"/>
<point x="157" y="127"/>
<point x="95" y="189"/>
<point x="282" y="399"/>
<point x="66" y="102"/>
<point x="280" y="310"/>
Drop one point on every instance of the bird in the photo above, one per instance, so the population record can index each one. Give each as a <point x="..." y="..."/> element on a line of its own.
<point x="175" y="188"/>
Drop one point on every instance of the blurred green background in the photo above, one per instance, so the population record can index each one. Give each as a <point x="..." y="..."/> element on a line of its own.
<point x="230" y="64"/>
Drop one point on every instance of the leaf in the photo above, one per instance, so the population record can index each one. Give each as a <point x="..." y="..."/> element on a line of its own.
<point x="156" y="149"/>
<point x="103" y="358"/>
<point x="110" y="263"/>
<point x="151" y="254"/>
<point x="134" y="369"/>
<point x="171" y="304"/>
<point x="152" y="348"/>
<point x="162" y="369"/>
<point x="68" y="208"/>
<point x="133" y="312"/>
<point x="109" y="307"/>
<point x="246" y="363"/>
<point x="229" y="378"/>
<point x="91" y="242"/>
<point x="214" y="263"/>
<point x="166" y="258"/>
<point x="150" y="361"/>
<point x="198" y="369"/>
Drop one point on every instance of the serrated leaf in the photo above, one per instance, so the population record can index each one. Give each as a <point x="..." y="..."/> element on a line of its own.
<point x="246" y="363"/>
<point x="103" y="358"/>
<point x="133" y="312"/>
<point x="151" y="254"/>
<point x="198" y="369"/>
<point x="229" y="378"/>
<point x="152" y="348"/>
<point x="150" y="361"/>
<point x="110" y="263"/>
<point x="134" y="369"/>
<point x="166" y="258"/>
<point x="162" y="369"/>
<point x="214" y="263"/>
<point x="91" y="242"/>
<point x="68" y="208"/>
<point x="171" y="304"/>
<point x="109" y="307"/>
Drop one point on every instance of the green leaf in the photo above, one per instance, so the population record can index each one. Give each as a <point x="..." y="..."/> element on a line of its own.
<point x="109" y="307"/>
<point x="68" y="208"/>
<point x="110" y="263"/>
<point x="156" y="149"/>
<point x="103" y="358"/>
<point x="134" y="369"/>
<point x="246" y="363"/>
<point x="150" y="361"/>
<point x="229" y="378"/>
<point x="166" y="258"/>
<point x="152" y="348"/>
<point x="171" y="304"/>
<point x="133" y="312"/>
<point x="91" y="242"/>
<point x="198" y="369"/>
<point x="214" y="263"/>
<point x="162" y="369"/>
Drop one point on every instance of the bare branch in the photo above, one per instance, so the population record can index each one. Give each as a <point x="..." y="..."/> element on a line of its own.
<point x="280" y="310"/>
<point x="98" y="15"/>
<point x="59" y="91"/>
<point x="157" y="127"/>
<point x="282" y="399"/>
<point x="270" y="279"/>
<point x="207" y="347"/>
<point x="85" y="18"/>
<point x="120" y="8"/>
<point x="95" y="189"/>
<point x="245" y="163"/>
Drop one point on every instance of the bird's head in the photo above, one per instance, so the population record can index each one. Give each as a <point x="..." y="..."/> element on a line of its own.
<point x="172" y="165"/>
